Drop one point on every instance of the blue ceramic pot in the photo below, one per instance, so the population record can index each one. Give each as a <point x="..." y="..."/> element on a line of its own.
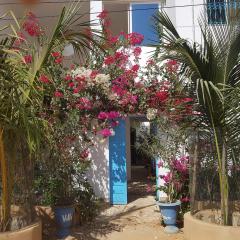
<point x="169" y="214"/>
<point x="64" y="218"/>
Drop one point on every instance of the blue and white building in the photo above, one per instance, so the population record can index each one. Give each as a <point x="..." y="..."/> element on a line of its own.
<point x="111" y="166"/>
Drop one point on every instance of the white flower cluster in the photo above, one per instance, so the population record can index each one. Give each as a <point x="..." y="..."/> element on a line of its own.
<point x="100" y="80"/>
<point x="151" y="113"/>
<point x="81" y="72"/>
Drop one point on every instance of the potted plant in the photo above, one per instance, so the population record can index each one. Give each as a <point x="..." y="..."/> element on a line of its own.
<point x="64" y="205"/>
<point x="176" y="188"/>
<point x="175" y="182"/>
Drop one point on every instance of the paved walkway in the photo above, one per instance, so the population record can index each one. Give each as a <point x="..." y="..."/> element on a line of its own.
<point x="139" y="220"/>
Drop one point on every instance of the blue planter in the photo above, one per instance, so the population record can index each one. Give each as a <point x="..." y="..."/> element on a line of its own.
<point x="169" y="213"/>
<point x="64" y="218"/>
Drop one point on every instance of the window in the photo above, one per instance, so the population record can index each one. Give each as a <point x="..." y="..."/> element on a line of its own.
<point x="142" y="22"/>
<point x="216" y="11"/>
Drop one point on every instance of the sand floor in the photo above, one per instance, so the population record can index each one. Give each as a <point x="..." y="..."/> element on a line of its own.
<point x="139" y="220"/>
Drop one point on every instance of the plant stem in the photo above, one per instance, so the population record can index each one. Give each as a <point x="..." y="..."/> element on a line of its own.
<point x="6" y="191"/>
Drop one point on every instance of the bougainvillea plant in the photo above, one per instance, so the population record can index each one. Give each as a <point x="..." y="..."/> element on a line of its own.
<point x="109" y="86"/>
<point x="176" y="180"/>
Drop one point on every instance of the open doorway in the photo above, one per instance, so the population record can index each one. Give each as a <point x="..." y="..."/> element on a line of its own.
<point x="142" y="168"/>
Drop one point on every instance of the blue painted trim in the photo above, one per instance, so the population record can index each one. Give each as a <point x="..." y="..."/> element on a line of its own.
<point x="118" y="165"/>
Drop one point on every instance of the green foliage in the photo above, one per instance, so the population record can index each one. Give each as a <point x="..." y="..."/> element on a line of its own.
<point x="21" y="98"/>
<point x="213" y="71"/>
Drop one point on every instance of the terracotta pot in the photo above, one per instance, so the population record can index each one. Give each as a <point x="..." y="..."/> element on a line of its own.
<point x="46" y="214"/>
<point x="195" y="229"/>
<point x="31" y="232"/>
<point x="28" y="2"/>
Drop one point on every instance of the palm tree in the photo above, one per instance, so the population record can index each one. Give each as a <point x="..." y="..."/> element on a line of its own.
<point x="213" y="71"/>
<point x="20" y="101"/>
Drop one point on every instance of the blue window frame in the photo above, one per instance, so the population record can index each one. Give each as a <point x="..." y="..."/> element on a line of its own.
<point x="142" y="22"/>
<point x="216" y="11"/>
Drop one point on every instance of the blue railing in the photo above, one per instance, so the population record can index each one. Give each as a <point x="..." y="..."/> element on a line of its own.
<point x="217" y="10"/>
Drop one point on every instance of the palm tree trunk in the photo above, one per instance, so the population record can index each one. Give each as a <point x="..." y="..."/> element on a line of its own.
<point x="193" y="180"/>
<point x="222" y="173"/>
<point x="6" y="192"/>
<point x="224" y="188"/>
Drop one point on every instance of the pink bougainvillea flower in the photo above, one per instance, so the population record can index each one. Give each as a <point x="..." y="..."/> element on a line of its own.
<point x="150" y="62"/>
<point x="84" y="154"/>
<point x="44" y="79"/>
<point x="167" y="178"/>
<point x="113" y="39"/>
<point x="172" y="66"/>
<point x="80" y="79"/>
<point x="105" y="132"/>
<point x="162" y="96"/>
<point x="137" y="51"/>
<point x="103" y="14"/>
<point x="113" y="115"/>
<point x="59" y="60"/>
<point x="68" y="77"/>
<point x="187" y="100"/>
<point x="72" y="66"/>
<point x="135" y="67"/>
<point x="84" y="104"/>
<point x="71" y="84"/>
<point x="118" y="55"/>
<point x="109" y="60"/>
<point x="27" y="59"/>
<point x="76" y="90"/>
<point x="102" y="116"/>
<point x="185" y="199"/>
<point x="58" y="94"/>
<point x="94" y="73"/>
<point x="114" y="123"/>
<point x="133" y="99"/>
<point x="135" y="38"/>
<point x="56" y="54"/>
<point x="31" y="25"/>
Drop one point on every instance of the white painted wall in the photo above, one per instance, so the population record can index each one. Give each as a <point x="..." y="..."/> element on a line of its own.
<point x="98" y="174"/>
<point x="185" y="19"/>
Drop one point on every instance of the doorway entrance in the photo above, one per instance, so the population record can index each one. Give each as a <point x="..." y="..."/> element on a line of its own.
<point x="130" y="170"/>
<point x="141" y="180"/>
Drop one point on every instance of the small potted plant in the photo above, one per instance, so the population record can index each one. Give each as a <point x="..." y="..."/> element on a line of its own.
<point x="54" y="191"/>
<point x="64" y="205"/>
<point x="176" y="188"/>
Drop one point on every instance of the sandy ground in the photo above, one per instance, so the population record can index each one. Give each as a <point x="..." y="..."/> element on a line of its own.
<point x="139" y="220"/>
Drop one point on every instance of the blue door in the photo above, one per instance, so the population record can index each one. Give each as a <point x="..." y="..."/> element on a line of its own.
<point x="118" y="165"/>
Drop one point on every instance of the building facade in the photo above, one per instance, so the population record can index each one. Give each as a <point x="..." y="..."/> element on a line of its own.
<point x="111" y="158"/>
